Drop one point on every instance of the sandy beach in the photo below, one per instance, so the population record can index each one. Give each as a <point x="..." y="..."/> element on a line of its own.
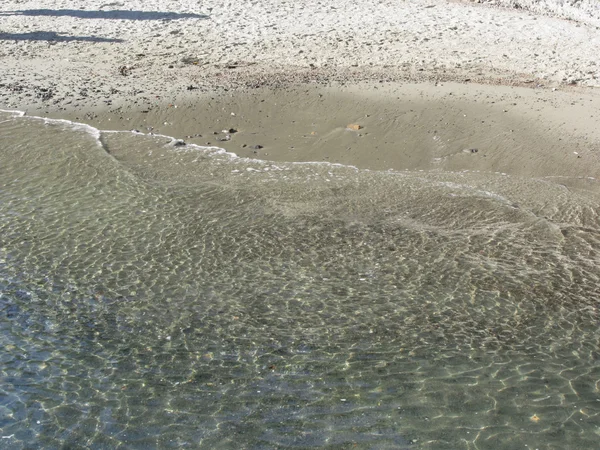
<point x="426" y="81"/>
<point x="403" y="252"/>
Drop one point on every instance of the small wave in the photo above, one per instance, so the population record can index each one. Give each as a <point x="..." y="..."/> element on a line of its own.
<point x="13" y="112"/>
<point x="453" y="181"/>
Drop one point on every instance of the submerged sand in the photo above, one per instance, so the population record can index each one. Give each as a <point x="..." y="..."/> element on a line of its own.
<point x="431" y="85"/>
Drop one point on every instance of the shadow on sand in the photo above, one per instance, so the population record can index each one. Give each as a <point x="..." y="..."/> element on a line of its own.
<point x="110" y="14"/>
<point x="52" y="36"/>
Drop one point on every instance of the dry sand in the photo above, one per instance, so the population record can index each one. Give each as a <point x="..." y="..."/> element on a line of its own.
<point x="584" y="11"/>
<point x="429" y="82"/>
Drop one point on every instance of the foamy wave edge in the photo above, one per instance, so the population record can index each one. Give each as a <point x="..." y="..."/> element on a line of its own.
<point x="97" y="133"/>
<point x="213" y="150"/>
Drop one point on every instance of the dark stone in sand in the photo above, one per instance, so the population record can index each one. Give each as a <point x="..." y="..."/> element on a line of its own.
<point x="257" y="147"/>
<point x="190" y="60"/>
<point x="44" y="93"/>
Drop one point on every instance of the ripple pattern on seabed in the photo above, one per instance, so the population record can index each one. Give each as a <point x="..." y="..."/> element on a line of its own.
<point x="156" y="295"/>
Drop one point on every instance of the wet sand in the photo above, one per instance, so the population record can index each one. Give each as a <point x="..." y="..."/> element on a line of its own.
<point x="460" y="86"/>
<point x="448" y="126"/>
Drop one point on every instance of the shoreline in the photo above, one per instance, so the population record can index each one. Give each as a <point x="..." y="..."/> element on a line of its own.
<point x="528" y="113"/>
<point x="448" y="126"/>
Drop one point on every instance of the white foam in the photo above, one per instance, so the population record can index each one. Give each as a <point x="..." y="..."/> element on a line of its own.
<point x="218" y="151"/>
<point x="14" y="112"/>
<point x="92" y="131"/>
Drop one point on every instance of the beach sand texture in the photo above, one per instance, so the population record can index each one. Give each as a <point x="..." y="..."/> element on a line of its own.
<point x="587" y="11"/>
<point x="76" y="49"/>
<point x="178" y="67"/>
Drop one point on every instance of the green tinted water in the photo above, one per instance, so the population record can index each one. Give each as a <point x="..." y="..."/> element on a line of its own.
<point x="163" y="296"/>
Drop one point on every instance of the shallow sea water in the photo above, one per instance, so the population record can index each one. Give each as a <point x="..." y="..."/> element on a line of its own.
<point x="163" y="296"/>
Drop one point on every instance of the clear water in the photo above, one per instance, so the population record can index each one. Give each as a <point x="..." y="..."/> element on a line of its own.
<point x="163" y="296"/>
